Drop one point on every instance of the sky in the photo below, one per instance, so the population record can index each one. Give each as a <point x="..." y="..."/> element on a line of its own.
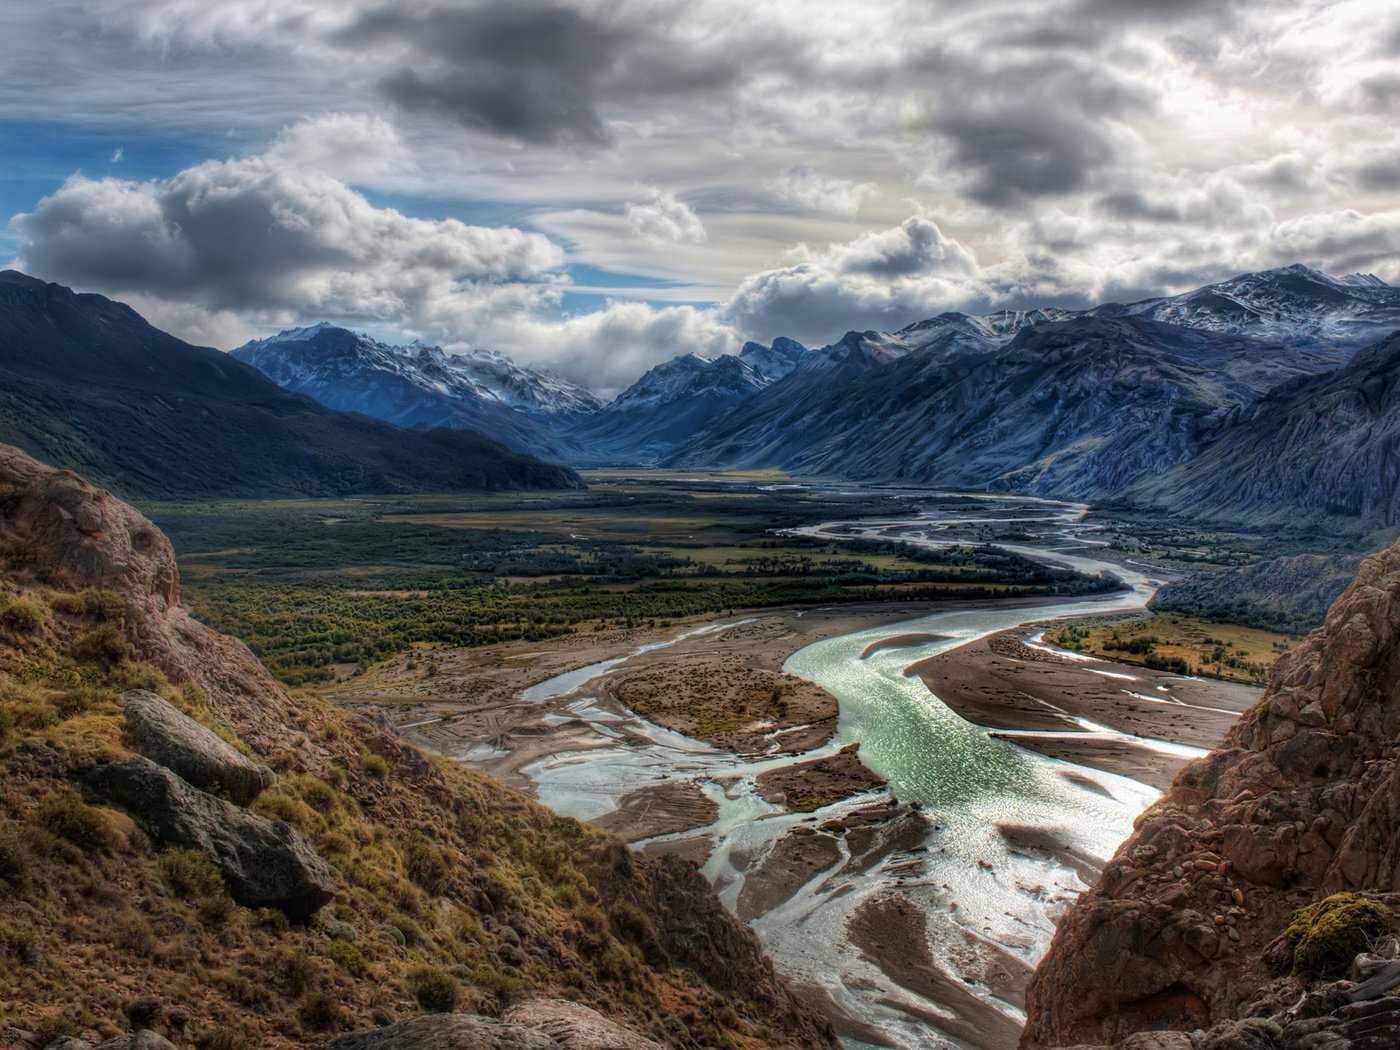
<point x="598" y="185"/>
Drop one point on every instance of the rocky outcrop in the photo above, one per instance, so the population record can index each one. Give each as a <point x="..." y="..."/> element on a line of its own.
<point x="265" y="863"/>
<point x="545" y="1024"/>
<point x="169" y="737"/>
<point x="447" y="1032"/>
<point x="142" y="1040"/>
<point x="1301" y="800"/>
<point x="575" y="1027"/>
<point x="83" y="536"/>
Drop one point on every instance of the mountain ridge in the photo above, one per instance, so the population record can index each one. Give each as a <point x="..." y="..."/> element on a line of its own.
<point x="421" y="385"/>
<point x="85" y="381"/>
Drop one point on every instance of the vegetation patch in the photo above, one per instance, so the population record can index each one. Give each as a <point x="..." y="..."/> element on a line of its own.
<point x="322" y="589"/>
<point x="1324" y="937"/>
<point x="1180" y="645"/>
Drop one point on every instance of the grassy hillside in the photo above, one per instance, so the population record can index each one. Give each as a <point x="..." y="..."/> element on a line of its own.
<point x="453" y="892"/>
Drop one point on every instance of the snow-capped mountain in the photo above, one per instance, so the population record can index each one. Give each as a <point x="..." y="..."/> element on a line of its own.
<point x="673" y="401"/>
<point x="554" y="401"/>
<point x="773" y="362"/>
<point x="1080" y="404"/>
<point x="1291" y="304"/>
<point x="417" y="385"/>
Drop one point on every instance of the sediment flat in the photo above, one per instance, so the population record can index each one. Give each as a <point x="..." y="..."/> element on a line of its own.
<point x="1003" y="684"/>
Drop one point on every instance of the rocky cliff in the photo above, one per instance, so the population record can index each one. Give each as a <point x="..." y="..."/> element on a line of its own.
<point x="1264" y="870"/>
<point x="186" y="848"/>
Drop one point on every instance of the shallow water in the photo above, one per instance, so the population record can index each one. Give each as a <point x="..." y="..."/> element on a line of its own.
<point x="969" y="879"/>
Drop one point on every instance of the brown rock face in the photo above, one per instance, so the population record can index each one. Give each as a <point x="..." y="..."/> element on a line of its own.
<point x="86" y="537"/>
<point x="1301" y="799"/>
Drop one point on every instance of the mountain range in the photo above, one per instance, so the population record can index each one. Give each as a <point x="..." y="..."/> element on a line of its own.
<point x="1184" y="403"/>
<point x="86" y="383"/>
<point x="1270" y="397"/>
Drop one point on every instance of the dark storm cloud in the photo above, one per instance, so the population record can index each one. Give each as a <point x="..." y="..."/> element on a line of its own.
<point x="1132" y="205"/>
<point x="540" y="72"/>
<point x="1381" y="94"/>
<point x="1011" y="155"/>
<point x="1036" y="118"/>
<point x="1380" y="174"/>
<point x="1130" y="11"/>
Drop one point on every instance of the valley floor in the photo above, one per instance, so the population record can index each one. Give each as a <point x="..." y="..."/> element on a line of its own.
<point x="531" y="713"/>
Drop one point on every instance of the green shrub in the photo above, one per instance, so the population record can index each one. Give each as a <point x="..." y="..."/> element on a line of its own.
<point x="436" y="992"/>
<point x="93" y="603"/>
<point x="290" y="971"/>
<point x="69" y="817"/>
<point x="50" y="1029"/>
<point x="191" y="875"/>
<point x="273" y="919"/>
<point x="348" y="957"/>
<point x="427" y="865"/>
<point x="83" y="698"/>
<point x="223" y="1038"/>
<point x="321" y="1010"/>
<point x="15" y="861"/>
<point x="143" y="1011"/>
<point x="105" y="644"/>
<point x="628" y="922"/>
<point x="1325" y="936"/>
<point x="22" y="617"/>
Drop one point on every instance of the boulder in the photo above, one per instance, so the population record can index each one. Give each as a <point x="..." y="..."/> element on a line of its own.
<point x="142" y="1040"/>
<point x="447" y="1032"/>
<point x="575" y="1027"/>
<point x="265" y="863"/>
<point x="168" y="736"/>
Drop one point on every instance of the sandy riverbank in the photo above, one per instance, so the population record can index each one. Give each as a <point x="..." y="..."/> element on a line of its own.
<point x="1002" y="683"/>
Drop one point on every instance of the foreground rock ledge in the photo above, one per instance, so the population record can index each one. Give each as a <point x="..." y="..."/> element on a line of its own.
<point x="546" y="1024"/>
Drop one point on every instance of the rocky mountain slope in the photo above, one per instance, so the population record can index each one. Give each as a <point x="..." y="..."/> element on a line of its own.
<point x="672" y="401"/>
<point x="85" y="382"/>
<point x="1290" y="594"/>
<point x="187" y="850"/>
<point x="1248" y="889"/>
<point x="1326" y="447"/>
<point x="1072" y="409"/>
<point x="420" y="385"/>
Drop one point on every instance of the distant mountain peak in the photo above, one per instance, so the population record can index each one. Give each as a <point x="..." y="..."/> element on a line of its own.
<point x="419" y="384"/>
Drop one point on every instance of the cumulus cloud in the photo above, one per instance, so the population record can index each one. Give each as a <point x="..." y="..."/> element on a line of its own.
<point x="258" y="236"/>
<point x="883" y="279"/>
<point x="354" y="147"/>
<point x="608" y="349"/>
<point x="662" y="219"/>
<point x="809" y="188"/>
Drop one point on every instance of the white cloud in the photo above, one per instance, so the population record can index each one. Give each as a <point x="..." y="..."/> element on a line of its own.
<point x="881" y="279"/>
<point x="609" y="348"/>
<point x="811" y="189"/>
<point x="663" y="219"/>
<point x="258" y="237"/>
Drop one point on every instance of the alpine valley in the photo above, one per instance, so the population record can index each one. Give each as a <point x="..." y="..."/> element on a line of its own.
<point x="1016" y="680"/>
<point x="1165" y="403"/>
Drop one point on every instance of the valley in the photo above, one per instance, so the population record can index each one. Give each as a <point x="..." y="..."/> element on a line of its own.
<point x="733" y="734"/>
